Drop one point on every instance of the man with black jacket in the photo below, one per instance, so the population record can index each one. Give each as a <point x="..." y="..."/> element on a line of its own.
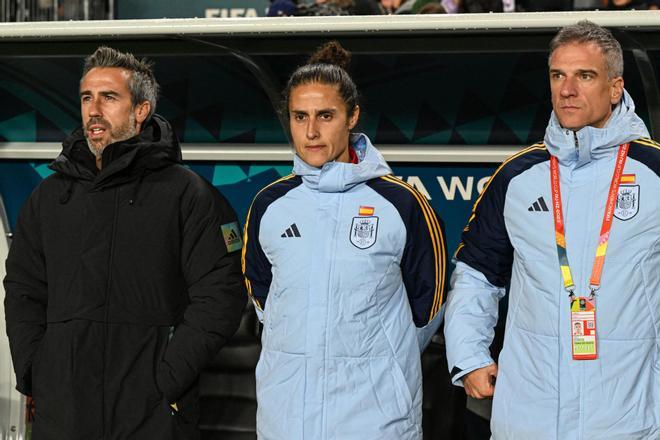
<point x="123" y="280"/>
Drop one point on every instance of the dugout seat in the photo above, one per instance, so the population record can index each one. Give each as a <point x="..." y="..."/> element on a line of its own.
<point x="227" y="396"/>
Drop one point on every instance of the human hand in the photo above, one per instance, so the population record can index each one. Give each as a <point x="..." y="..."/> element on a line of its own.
<point x="30" y="409"/>
<point x="480" y="383"/>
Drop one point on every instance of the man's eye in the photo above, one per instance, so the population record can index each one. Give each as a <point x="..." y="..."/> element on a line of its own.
<point x="299" y="117"/>
<point x="109" y="98"/>
<point x="587" y="76"/>
<point x="326" y="116"/>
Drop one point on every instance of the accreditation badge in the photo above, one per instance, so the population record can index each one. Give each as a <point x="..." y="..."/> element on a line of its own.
<point x="583" y="328"/>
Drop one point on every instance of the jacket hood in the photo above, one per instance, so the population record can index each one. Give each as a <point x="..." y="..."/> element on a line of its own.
<point x="338" y="176"/>
<point x="155" y="147"/>
<point x="592" y="143"/>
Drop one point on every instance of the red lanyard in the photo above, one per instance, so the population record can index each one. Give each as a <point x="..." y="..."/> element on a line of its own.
<point x="597" y="271"/>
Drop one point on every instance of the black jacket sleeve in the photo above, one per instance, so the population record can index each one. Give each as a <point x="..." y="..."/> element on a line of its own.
<point x="210" y="261"/>
<point x="485" y="244"/>
<point x="423" y="262"/>
<point x="26" y="293"/>
<point x="256" y="266"/>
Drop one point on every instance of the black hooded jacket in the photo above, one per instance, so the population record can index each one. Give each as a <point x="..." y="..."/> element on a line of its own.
<point x="120" y="289"/>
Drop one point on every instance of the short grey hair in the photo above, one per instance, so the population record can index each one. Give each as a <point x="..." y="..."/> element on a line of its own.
<point x="586" y="31"/>
<point x="142" y="85"/>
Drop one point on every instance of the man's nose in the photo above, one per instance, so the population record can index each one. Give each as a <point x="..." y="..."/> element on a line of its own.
<point x="569" y="87"/>
<point x="94" y="108"/>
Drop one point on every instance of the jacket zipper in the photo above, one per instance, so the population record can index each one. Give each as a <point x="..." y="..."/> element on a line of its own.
<point x="105" y="305"/>
<point x="329" y="291"/>
<point x="581" y="368"/>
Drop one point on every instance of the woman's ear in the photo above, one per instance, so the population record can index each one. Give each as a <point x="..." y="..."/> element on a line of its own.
<point x="353" y="119"/>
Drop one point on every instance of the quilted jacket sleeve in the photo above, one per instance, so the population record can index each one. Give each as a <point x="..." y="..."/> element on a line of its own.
<point x="211" y="267"/>
<point x="26" y="293"/>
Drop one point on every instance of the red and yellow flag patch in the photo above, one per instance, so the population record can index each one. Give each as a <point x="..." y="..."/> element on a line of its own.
<point x="366" y="210"/>
<point x="627" y="179"/>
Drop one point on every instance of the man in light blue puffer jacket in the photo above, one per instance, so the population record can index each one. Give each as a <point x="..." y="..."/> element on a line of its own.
<point x="544" y="242"/>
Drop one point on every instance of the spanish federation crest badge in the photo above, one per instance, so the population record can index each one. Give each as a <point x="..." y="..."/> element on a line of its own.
<point x="627" y="202"/>
<point x="364" y="231"/>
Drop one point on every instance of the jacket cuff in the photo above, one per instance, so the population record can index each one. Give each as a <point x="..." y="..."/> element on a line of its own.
<point x="166" y="384"/>
<point x="24" y="383"/>
<point x="468" y="366"/>
<point x="424" y="334"/>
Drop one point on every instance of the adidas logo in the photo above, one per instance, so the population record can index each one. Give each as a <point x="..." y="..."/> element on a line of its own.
<point x="291" y="231"/>
<point x="539" y="205"/>
<point x="232" y="236"/>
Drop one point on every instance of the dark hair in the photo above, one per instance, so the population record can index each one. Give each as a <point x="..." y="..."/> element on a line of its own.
<point x="586" y="31"/>
<point x="432" y="8"/>
<point x="327" y="65"/>
<point x="142" y="85"/>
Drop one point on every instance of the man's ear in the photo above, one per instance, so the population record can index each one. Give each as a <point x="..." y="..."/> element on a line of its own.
<point x="141" y="113"/>
<point x="353" y="119"/>
<point x="616" y="90"/>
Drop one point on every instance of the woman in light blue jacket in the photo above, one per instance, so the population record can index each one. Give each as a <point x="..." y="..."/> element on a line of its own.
<point x="345" y="264"/>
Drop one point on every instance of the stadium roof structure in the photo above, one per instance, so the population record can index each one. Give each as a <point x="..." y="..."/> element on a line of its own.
<point x="254" y="40"/>
<point x="322" y="26"/>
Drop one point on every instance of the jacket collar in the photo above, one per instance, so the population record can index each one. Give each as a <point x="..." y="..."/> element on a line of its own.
<point x="154" y="147"/>
<point x="338" y="176"/>
<point x="577" y="148"/>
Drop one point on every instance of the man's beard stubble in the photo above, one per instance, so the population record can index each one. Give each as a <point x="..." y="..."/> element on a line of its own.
<point x="121" y="133"/>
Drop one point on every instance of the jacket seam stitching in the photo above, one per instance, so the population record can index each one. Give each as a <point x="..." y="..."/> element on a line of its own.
<point x="645" y="284"/>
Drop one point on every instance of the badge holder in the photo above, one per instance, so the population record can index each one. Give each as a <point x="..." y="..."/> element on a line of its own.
<point x="583" y="327"/>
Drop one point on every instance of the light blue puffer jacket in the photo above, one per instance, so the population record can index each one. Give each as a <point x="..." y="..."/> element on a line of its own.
<point x="509" y="243"/>
<point x="345" y="264"/>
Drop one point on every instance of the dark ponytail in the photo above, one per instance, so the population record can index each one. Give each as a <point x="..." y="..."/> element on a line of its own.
<point x="327" y="65"/>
